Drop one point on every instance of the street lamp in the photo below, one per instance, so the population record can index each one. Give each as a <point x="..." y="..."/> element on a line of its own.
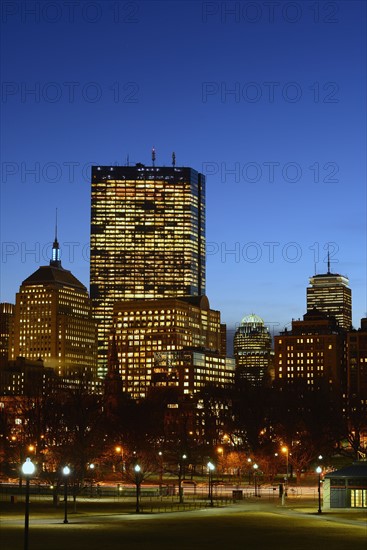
<point x="160" y="454"/>
<point x="255" y="467"/>
<point x="181" y="476"/>
<point x="66" y="472"/>
<point x="28" y="469"/>
<point x="137" y="470"/>
<point x="211" y="469"/>
<point x="120" y="451"/>
<point x="318" y="471"/>
<point x="220" y="451"/>
<point x="249" y="460"/>
<point x="285" y="450"/>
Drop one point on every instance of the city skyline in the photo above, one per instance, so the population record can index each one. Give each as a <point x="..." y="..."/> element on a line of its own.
<point x="274" y="120"/>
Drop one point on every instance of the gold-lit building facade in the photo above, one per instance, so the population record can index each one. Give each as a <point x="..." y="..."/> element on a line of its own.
<point x="312" y="351"/>
<point x="192" y="369"/>
<point x="147" y="238"/>
<point x="331" y="294"/>
<point x="170" y="342"/>
<point x="53" y="321"/>
<point x="357" y="370"/>
<point x="253" y="352"/>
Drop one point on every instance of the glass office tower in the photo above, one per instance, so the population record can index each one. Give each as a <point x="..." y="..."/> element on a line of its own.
<point x="147" y="238"/>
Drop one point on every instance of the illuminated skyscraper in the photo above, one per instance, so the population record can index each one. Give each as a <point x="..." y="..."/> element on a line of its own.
<point x="330" y="293"/>
<point x="147" y="238"/>
<point x="6" y="319"/>
<point x="253" y="349"/>
<point x="53" y="321"/>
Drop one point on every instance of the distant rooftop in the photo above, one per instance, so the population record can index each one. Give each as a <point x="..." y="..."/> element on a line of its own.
<point x="328" y="274"/>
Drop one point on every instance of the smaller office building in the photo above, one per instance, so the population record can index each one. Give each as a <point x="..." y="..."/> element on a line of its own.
<point x="347" y="487"/>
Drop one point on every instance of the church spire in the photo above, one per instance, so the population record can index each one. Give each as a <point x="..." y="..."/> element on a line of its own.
<point x="113" y="360"/>
<point x="113" y="381"/>
<point x="55" y="261"/>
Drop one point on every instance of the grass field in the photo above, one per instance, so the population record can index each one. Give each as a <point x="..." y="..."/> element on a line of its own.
<point x="250" y="525"/>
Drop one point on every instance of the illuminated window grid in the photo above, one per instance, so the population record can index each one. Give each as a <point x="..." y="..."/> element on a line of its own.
<point x="331" y="294"/>
<point x="147" y="328"/>
<point x="147" y="238"/>
<point x="307" y="363"/>
<point x="55" y="324"/>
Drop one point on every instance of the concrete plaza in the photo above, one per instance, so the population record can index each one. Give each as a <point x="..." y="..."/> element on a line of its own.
<point x="251" y="525"/>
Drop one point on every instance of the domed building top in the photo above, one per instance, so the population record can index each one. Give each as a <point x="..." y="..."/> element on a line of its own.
<point x="252" y="319"/>
<point x="48" y="274"/>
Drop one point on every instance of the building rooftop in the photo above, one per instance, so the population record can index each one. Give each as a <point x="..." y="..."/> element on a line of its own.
<point x="357" y="469"/>
<point x="57" y="275"/>
<point x="252" y="319"/>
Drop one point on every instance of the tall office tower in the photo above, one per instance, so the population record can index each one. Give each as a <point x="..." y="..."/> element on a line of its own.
<point x="147" y="238"/>
<point x="53" y="321"/>
<point x="170" y="342"/>
<point x="253" y="349"/>
<point x="6" y="321"/>
<point x="330" y="293"/>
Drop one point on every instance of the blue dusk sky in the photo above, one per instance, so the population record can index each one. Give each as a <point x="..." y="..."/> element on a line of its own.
<point x="267" y="99"/>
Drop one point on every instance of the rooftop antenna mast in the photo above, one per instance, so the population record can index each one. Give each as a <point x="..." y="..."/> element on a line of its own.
<point x="173" y="159"/>
<point x="56" y="226"/>
<point x="127" y="160"/>
<point x="153" y="156"/>
<point x="328" y="259"/>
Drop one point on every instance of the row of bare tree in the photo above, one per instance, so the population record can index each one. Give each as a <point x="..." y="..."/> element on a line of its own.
<point x="76" y="428"/>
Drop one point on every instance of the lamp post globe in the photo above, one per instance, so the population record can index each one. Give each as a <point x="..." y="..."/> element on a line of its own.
<point x="28" y="469"/>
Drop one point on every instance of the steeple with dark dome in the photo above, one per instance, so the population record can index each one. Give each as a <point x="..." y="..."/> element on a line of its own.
<point x="54" y="273"/>
<point x="53" y="320"/>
